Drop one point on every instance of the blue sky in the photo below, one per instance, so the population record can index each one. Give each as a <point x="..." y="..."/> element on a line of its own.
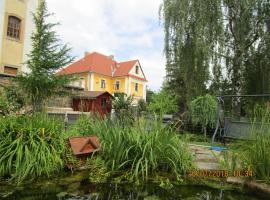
<point x="127" y="29"/>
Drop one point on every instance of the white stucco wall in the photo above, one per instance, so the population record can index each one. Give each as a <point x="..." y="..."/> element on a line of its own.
<point x="133" y="71"/>
<point x="29" y="28"/>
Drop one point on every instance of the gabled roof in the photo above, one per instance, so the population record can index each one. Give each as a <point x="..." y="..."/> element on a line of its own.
<point x="124" y="68"/>
<point x="101" y="64"/>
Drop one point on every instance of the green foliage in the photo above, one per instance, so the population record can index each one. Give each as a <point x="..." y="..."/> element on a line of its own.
<point x="149" y="95"/>
<point x="98" y="170"/>
<point x="10" y="101"/>
<point x="256" y="152"/>
<point x="83" y="126"/>
<point x="217" y="36"/>
<point x="46" y="57"/>
<point x="139" y="152"/>
<point x="192" y="31"/>
<point x="122" y="101"/>
<point x="124" y="109"/>
<point x="30" y="146"/>
<point x="142" y="106"/>
<point x="204" y="110"/>
<point x="163" y="103"/>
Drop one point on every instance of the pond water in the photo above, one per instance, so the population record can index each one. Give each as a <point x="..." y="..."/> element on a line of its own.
<point x="76" y="189"/>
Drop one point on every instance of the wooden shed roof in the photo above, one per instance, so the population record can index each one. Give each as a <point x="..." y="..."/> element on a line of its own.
<point x="91" y="94"/>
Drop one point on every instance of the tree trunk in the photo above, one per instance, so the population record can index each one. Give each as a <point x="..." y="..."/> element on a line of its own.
<point x="204" y="131"/>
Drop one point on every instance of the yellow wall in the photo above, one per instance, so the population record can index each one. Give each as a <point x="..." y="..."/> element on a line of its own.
<point x="97" y="83"/>
<point x="122" y="85"/>
<point x="110" y="84"/>
<point x="12" y="49"/>
<point x="140" y="90"/>
<point x="84" y="78"/>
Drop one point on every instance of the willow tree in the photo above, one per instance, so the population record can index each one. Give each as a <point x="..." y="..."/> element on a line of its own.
<point x="47" y="56"/>
<point x="192" y="31"/>
<point x="229" y="37"/>
<point x="244" y="24"/>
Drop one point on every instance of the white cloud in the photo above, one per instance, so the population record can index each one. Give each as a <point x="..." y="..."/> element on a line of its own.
<point x="129" y="29"/>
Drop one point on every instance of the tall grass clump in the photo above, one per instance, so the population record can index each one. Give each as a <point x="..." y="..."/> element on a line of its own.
<point x="142" y="150"/>
<point x="30" y="146"/>
<point x="84" y="126"/>
<point x="257" y="152"/>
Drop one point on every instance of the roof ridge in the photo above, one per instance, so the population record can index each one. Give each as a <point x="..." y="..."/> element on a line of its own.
<point x="128" y="61"/>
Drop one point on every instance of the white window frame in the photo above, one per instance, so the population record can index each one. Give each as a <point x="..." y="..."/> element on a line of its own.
<point x="117" y="83"/>
<point x="137" y="87"/>
<point x="101" y="83"/>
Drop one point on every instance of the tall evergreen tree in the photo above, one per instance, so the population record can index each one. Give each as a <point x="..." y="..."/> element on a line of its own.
<point x="47" y="56"/>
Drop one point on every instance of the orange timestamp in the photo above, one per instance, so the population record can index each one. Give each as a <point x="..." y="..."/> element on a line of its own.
<point x="220" y="173"/>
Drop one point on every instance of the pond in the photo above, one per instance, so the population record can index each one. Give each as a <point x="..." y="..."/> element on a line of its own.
<point x="76" y="187"/>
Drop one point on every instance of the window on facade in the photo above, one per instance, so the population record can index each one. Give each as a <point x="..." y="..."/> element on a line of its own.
<point x="103" y="102"/>
<point x="103" y="83"/>
<point x="81" y="82"/>
<point x="136" y="87"/>
<point x="14" y="26"/>
<point x="137" y="70"/>
<point x="117" y="85"/>
<point x="10" y="70"/>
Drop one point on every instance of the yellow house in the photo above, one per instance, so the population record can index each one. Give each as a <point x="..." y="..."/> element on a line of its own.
<point x="16" y="26"/>
<point x="98" y="72"/>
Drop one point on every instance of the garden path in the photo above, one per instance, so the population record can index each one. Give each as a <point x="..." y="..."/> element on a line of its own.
<point x="205" y="158"/>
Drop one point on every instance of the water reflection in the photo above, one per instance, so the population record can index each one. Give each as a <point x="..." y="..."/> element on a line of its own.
<point x="86" y="191"/>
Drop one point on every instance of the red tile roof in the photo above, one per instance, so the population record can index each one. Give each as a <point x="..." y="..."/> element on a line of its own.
<point x="101" y="64"/>
<point x="124" y="68"/>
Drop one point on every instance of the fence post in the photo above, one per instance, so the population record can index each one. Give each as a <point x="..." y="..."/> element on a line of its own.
<point x="66" y="121"/>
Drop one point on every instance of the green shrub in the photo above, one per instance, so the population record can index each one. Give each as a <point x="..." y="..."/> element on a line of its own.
<point x="142" y="106"/>
<point x="163" y="103"/>
<point x="30" y="146"/>
<point x="203" y="111"/>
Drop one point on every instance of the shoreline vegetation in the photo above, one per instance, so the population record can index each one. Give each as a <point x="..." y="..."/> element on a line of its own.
<point x="33" y="146"/>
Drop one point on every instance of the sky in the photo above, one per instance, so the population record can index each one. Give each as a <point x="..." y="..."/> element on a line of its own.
<point x="127" y="29"/>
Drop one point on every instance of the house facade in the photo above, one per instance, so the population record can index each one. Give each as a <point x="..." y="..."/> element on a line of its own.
<point x="16" y="27"/>
<point x="98" y="72"/>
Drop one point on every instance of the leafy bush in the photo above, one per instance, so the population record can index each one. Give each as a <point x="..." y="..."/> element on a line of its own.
<point x="9" y="102"/>
<point x="122" y="101"/>
<point x="163" y="103"/>
<point x="30" y="146"/>
<point x="203" y="111"/>
<point x="142" y="106"/>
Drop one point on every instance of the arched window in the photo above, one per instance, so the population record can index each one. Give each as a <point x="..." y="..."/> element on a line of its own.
<point x="14" y="27"/>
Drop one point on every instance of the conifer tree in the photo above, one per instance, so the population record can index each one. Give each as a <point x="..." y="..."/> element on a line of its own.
<point x="46" y="57"/>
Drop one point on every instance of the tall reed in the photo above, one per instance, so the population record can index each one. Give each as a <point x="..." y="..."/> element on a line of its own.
<point x="257" y="151"/>
<point x="141" y="150"/>
<point x="30" y="146"/>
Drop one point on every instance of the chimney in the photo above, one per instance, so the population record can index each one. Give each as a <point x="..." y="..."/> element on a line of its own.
<point x="111" y="57"/>
<point x="86" y="53"/>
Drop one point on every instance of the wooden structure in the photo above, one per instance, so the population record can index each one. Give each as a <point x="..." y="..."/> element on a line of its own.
<point x="93" y="101"/>
<point x="83" y="146"/>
